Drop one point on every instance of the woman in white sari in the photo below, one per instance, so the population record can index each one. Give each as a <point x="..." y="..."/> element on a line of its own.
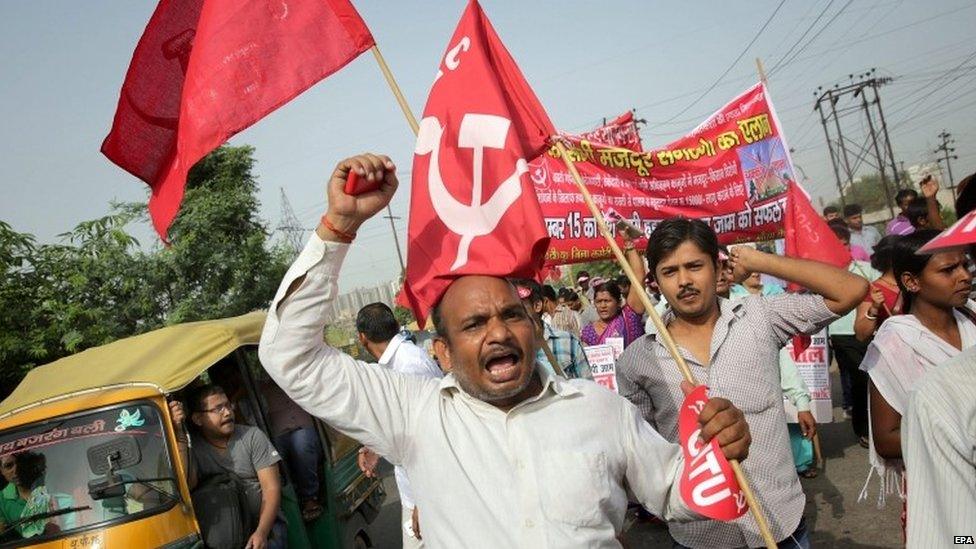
<point x="939" y="322"/>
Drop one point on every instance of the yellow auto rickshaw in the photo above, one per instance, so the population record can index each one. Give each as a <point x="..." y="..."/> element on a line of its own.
<point x="89" y="443"/>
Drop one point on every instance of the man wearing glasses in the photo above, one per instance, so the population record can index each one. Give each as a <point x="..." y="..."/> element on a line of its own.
<point x="222" y="447"/>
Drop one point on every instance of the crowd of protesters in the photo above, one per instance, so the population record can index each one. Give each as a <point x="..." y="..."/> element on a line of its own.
<point x="509" y="403"/>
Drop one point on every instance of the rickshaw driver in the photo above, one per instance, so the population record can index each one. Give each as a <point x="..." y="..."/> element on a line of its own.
<point x="500" y="453"/>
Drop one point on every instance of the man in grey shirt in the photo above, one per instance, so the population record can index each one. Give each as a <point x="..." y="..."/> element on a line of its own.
<point x="222" y="446"/>
<point x="733" y="347"/>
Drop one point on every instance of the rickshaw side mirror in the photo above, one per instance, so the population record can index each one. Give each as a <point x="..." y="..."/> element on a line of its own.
<point x="105" y="459"/>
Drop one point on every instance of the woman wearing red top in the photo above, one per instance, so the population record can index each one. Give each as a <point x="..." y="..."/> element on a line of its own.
<point x="884" y="299"/>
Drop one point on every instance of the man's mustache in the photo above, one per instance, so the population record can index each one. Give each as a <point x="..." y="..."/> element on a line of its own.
<point x="686" y="291"/>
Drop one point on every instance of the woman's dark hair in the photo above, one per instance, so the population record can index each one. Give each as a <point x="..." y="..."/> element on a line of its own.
<point x="674" y="232"/>
<point x="966" y="201"/>
<point x="905" y="260"/>
<point x="567" y="294"/>
<point x="841" y="231"/>
<point x="905" y="193"/>
<point x="610" y="287"/>
<point x="881" y="258"/>
<point x="917" y="210"/>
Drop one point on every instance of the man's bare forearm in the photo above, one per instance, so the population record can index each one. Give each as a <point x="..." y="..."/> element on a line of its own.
<point x="841" y="290"/>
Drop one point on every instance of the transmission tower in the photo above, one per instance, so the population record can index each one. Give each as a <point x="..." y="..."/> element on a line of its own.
<point x="945" y="149"/>
<point x="862" y="100"/>
<point x="289" y="227"/>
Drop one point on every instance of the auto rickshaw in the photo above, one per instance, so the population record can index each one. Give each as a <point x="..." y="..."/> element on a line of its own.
<point x="91" y="436"/>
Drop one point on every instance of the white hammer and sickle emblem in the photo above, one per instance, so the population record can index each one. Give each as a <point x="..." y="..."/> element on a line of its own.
<point x="477" y="132"/>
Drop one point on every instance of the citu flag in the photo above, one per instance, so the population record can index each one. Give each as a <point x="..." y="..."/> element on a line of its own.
<point x="207" y="69"/>
<point x="473" y="208"/>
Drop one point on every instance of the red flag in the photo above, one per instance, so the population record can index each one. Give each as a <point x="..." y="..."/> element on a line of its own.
<point x="708" y="485"/>
<point x="207" y="69"/>
<point x="807" y="234"/>
<point x="961" y="234"/>
<point x="473" y="209"/>
<point x="809" y="237"/>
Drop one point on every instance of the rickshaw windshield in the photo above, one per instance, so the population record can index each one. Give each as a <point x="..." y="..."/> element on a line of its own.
<point x="64" y="474"/>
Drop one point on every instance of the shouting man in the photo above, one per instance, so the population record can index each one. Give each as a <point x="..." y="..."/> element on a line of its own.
<point x="500" y="453"/>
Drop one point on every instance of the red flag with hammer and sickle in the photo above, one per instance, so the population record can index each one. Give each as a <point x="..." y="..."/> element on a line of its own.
<point x="206" y="69"/>
<point x="473" y="209"/>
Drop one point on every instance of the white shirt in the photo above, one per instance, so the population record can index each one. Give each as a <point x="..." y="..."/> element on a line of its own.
<point x="404" y="357"/>
<point x="939" y="446"/>
<point x="866" y="238"/>
<point x="551" y="472"/>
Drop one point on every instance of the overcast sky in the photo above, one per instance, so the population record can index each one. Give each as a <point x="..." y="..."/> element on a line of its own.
<point x="63" y="63"/>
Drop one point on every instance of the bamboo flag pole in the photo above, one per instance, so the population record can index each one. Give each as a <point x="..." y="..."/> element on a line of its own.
<point x="761" y="71"/>
<point x="412" y="120"/>
<point x="395" y="88"/>
<point x="665" y="336"/>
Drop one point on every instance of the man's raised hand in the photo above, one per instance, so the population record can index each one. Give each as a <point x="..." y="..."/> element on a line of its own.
<point x="347" y="212"/>
<point x="743" y="261"/>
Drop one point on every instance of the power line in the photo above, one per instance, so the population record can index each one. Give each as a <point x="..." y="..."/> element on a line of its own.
<point x="779" y="61"/>
<point x="729" y="69"/>
<point x="819" y="32"/>
<point x="945" y="149"/>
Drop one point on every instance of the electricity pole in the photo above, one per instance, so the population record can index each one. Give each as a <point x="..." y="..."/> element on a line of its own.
<point x="945" y="149"/>
<point x="396" y="240"/>
<point x="842" y="148"/>
<point x="288" y="225"/>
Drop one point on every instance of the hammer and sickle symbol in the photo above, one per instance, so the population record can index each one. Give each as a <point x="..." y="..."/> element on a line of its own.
<point x="477" y="132"/>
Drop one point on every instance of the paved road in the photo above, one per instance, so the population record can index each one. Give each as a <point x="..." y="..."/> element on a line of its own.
<point x="833" y="512"/>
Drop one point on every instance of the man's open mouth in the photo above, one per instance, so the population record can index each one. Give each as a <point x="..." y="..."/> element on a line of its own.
<point x="503" y="366"/>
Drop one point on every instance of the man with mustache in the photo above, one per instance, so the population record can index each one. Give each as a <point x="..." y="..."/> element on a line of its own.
<point x="733" y="347"/>
<point x="500" y="453"/>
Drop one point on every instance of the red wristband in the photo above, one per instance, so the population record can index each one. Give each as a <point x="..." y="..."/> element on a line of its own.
<point x="344" y="237"/>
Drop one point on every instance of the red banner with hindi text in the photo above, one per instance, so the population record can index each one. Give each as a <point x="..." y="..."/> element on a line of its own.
<point x="732" y="171"/>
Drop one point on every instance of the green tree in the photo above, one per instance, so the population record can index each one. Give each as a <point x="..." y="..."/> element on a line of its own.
<point x="869" y="191"/>
<point x="404" y="316"/>
<point x="220" y="262"/>
<point x="97" y="285"/>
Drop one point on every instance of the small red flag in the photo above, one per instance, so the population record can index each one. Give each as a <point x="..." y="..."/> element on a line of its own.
<point x="207" y="69"/>
<point x="809" y="237"/>
<point x="473" y="208"/>
<point x="708" y="485"/>
<point x="807" y="234"/>
<point x="960" y="235"/>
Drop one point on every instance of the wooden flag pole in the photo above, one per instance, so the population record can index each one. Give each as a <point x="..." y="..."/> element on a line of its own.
<point x="412" y="120"/>
<point x="665" y="336"/>
<point x="395" y="88"/>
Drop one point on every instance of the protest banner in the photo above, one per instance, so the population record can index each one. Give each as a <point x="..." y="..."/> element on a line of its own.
<point x="813" y="363"/>
<point x="732" y="172"/>
<point x="603" y="365"/>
